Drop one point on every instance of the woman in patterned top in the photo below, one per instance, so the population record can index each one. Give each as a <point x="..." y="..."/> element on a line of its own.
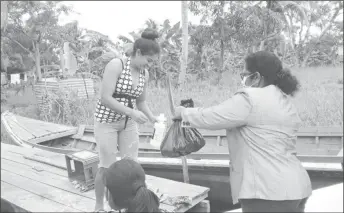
<point x="123" y="87"/>
<point x="261" y="123"/>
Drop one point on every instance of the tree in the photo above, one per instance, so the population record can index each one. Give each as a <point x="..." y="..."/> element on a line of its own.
<point x="215" y="12"/>
<point x="170" y="44"/>
<point x="4" y="14"/>
<point x="39" y="31"/>
<point x="330" y="23"/>
<point x="94" y="51"/>
<point x="184" y="59"/>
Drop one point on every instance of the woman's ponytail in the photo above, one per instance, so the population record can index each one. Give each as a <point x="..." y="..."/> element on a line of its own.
<point x="144" y="201"/>
<point x="287" y="82"/>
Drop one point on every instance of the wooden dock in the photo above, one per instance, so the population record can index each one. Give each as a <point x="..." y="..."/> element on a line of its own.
<point x="40" y="187"/>
<point x="327" y="199"/>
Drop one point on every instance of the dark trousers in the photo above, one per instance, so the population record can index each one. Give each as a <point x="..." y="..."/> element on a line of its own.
<point x="259" y="205"/>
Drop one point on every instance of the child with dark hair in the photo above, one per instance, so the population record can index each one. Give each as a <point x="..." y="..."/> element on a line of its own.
<point x="261" y="123"/>
<point x="125" y="180"/>
<point x="6" y="206"/>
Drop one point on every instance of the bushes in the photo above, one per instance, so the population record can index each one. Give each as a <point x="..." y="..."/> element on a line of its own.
<point x="320" y="100"/>
<point x="64" y="107"/>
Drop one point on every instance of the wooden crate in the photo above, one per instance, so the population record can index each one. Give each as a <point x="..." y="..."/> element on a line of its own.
<point x="82" y="168"/>
<point x="83" y="87"/>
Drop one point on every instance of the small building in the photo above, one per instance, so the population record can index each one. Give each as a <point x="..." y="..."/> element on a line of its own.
<point x="16" y="75"/>
<point x="3" y="78"/>
<point x="340" y="53"/>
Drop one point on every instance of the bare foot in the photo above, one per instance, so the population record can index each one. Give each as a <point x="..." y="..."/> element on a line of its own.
<point x="99" y="208"/>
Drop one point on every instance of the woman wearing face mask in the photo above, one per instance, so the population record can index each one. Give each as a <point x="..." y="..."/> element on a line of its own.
<point x="125" y="180"/>
<point x="124" y="83"/>
<point x="261" y="124"/>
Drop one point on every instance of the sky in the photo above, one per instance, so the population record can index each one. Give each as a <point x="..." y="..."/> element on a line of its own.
<point x="115" y="18"/>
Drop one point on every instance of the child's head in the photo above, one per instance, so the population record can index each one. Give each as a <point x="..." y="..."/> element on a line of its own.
<point x="125" y="180"/>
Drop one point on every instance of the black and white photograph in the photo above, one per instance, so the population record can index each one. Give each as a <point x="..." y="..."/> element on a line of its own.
<point x="171" y="106"/>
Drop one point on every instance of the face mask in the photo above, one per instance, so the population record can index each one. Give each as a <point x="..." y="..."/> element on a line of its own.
<point x="243" y="81"/>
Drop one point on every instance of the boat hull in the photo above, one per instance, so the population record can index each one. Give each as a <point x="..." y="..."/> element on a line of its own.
<point x="204" y="169"/>
<point x="217" y="179"/>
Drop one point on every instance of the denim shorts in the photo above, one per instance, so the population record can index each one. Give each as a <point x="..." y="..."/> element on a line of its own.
<point x="115" y="141"/>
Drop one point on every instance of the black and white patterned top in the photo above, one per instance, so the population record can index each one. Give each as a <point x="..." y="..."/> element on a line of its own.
<point x="124" y="93"/>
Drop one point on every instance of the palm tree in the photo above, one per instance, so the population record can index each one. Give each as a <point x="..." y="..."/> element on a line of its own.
<point x="170" y="44"/>
<point x="273" y="19"/>
<point x="282" y="8"/>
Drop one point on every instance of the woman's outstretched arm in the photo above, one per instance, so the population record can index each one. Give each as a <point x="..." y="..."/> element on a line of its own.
<point x="231" y="113"/>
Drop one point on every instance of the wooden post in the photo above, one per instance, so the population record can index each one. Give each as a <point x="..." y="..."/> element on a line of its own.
<point x="185" y="170"/>
<point x="184" y="160"/>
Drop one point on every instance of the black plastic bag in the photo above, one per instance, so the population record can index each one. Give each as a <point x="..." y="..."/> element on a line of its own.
<point x="180" y="141"/>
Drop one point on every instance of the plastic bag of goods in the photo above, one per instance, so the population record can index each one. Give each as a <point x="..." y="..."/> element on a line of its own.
<point x="180" y="141"/>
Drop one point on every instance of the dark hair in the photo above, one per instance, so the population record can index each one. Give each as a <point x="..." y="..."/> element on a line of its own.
<point x="147" y="44"/>
<point x="270" y="67"/>
<point x="125" y="180"/>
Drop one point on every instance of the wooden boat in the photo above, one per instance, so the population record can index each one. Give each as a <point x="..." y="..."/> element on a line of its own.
<point x="317" y="149"/>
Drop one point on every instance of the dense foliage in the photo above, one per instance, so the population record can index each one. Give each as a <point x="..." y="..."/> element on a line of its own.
<point x="33" y="39"/>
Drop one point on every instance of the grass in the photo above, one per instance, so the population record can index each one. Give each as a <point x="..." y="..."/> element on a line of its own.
<point x="320" y="101"/>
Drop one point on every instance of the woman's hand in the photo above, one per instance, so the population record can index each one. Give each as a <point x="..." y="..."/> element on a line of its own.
<point x="153" y="119"/>
<point x="138" y="116"/>
<point x="178" y="113"/>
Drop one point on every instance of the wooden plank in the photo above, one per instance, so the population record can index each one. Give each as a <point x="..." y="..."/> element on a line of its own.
<point x="19" y="158"/>
<point x="195" y="201"/>
<point x="61" y="162"/>
<point x="52" y="179"/>
<point x="148" y="146"/>
<point x="48" y="161"/>
<point x="32" y="125"/>
<point x="87" y="138"/>
<point x="305" y="131"/>
<point x="31" y="201"/>
<point x="43" y="176"/>
<point x="323" y="163"/>
<point x="8" y="148"/>
<point x="18" y="131"/>
<point x="78" y="85"/>
<point x="57" y="195"/>
<point x="203" y="206"/>
<point x="200" y="160"/>
<point x="53" y="136"/>
<point x="47" y="127"/>
<point x="175" y="188"/>
<point x="36" y="128"/>
<point x="35" y="165"/>
<point x="171" y="188"/>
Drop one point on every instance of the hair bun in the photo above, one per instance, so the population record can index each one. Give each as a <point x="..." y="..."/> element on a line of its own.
<point x="150" y="34"/>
